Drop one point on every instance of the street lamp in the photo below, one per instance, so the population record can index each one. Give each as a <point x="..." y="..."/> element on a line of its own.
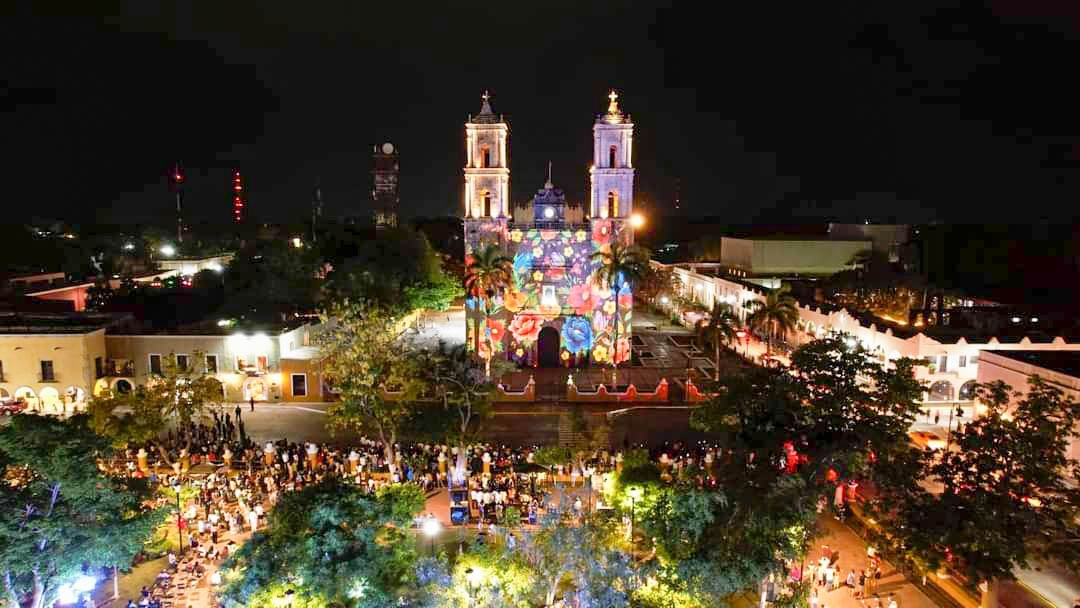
<point x="637" y="221"/>
<point x="168" y="250"/>
<point x="431" y="529"/>
<point x="179" y="514"/>
<point x="635" y="493"/>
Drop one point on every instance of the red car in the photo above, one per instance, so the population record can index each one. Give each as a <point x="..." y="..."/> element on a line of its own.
<point x="12" y="407"/>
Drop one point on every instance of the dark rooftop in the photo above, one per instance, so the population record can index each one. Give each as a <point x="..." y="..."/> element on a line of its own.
<point x="42" y="323"/>
<point x="1061" y="361"/>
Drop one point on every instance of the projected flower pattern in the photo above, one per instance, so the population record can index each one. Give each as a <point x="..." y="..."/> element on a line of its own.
<point x="583" y="311"/>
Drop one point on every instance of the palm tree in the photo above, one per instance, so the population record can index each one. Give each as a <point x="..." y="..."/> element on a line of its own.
<point x="722" y="325"/>
<point x="490" y="273"/>
<point x="777" y="315"/>
<point x="625" y="261"/>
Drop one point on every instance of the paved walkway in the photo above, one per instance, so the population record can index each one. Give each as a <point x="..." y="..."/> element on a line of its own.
<point x="853" y="556"/>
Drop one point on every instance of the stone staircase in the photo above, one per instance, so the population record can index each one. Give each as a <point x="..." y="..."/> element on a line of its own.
<point x="576" y="439"/>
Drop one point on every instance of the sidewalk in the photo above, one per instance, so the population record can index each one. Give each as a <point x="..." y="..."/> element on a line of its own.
<point x="853" y="555"/>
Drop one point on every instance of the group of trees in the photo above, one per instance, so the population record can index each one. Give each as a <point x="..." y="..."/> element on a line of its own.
<point x="399" y="271"/>
<point x="178" y="395"/>
<point x="992" y="502"/>
<point x="330" y="545"/>
<point x="60" y="518"/>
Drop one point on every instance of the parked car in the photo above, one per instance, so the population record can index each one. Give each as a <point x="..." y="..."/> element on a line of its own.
<point x="12" y="407"/>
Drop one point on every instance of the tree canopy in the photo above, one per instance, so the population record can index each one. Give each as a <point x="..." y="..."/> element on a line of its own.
<point x="999" y="497"/>
<point x="270" y="279"/>
<point x="57" y="512"/>
<point x="363" y="355"/>
<point x="331" y="545"/>
<point x="175" y="396"/>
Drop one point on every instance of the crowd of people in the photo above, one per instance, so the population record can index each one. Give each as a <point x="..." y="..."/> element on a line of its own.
<point x="228" y="484"/>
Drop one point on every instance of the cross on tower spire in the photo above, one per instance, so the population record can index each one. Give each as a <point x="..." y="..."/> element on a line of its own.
<point x="613" y="107"/>
<point x="549" y="185"/>
<point x="485" y="107"/>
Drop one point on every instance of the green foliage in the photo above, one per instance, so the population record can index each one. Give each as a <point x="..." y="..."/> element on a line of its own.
<point x="836" y="409"/>
<point x="175" y="396"/>
<point x="511" y="518"/>
<point x="271" y="279"/>
<point x="656" y="283"/>
<point x="777" y="315"/>
<point x="363" y="356"/>
<point x="552" y="455"/>
<point x="398" y="271"/>
<point x="332" y="545"/>
<point x="1005" y="500"/>
<point x="67" y="514"/>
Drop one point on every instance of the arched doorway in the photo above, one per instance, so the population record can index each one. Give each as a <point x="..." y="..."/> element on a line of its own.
<point x="123" y="386"/>
<point x="26" y="394"/>
<point x="941" y="390"/>
<point x="50" y="400"/>
<point x="967" y="391"/>
<point x="547" y="347"/>
<point x="4" y="394"/>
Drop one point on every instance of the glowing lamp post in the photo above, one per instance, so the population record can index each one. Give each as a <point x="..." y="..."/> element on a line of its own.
<point x="637" y="221"/>
<point x="635" y="494"/>
<point x="431" y="530"/>
<point x="168" y="250"/>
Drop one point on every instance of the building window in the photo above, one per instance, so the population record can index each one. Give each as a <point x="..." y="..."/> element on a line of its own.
<point x="182" y="363"/>
<point x="485" y="157"/>
<point x="299" y="385"/>
<point x="943" y="364"/>
<point x="547" y="297"/>
<point x="155" y="364"/>
<point x="47" y="373"/>
<point x="612" y="204"/>
<point x="2" y="372"/>
<point x="99" y="367"/>
<point x="486" y="202"/>
<point x="962" y="362"/>
<point x="211" y="364"/>
<point x="611" y="157"/>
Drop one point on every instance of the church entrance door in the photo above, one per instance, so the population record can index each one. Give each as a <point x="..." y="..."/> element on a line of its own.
<point x="547" y="347"/>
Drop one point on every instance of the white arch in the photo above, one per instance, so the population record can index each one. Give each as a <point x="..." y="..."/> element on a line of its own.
<point x="28" y="395"/>
<point x="50" y="399"/>
<point x="4" y="394"/>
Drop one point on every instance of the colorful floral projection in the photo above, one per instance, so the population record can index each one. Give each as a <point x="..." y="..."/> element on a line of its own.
<point x="553" y="286"/>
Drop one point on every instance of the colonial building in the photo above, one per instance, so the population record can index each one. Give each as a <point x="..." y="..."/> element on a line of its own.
<point x="555" y="313"/>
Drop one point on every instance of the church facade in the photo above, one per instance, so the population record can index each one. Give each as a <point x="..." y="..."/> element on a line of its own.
<point x="555" y="313"/>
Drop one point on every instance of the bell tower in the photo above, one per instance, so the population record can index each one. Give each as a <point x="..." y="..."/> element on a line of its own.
<point x="612" y="171"/>
<point x="487" y="169"/>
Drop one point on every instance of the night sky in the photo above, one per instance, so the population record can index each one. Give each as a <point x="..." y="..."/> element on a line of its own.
<point x="795" y="111"/>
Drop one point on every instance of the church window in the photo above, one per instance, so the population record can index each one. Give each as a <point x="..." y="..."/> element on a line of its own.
<point x="547" y="297"/>
<point x="611" y="157"/>
<point x="485" y="157"/>
<point x="487" y="204"/>
<point x="612" y="204"/>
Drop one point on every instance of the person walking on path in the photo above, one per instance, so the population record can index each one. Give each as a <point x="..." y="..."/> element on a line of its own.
<point x="253" y="404"/>
<point x="237" y="412"/>
<point x="850" y="582"/>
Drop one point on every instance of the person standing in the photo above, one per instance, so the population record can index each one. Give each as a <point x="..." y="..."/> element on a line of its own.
<point x="253" y="403"/>
<point x="237" y="412"/>
<point x="850" y="582"/>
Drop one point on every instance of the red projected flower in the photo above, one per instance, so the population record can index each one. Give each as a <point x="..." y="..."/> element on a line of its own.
<point x="581" y="299"/>
<point x="622" y="350"/>
<point x="526" y="328"/>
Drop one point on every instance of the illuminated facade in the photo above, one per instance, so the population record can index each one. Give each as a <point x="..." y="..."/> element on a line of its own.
<point x="555" y="313"/>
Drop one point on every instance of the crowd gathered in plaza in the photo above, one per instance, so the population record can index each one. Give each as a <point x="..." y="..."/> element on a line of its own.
<point x="228" y="484"/>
